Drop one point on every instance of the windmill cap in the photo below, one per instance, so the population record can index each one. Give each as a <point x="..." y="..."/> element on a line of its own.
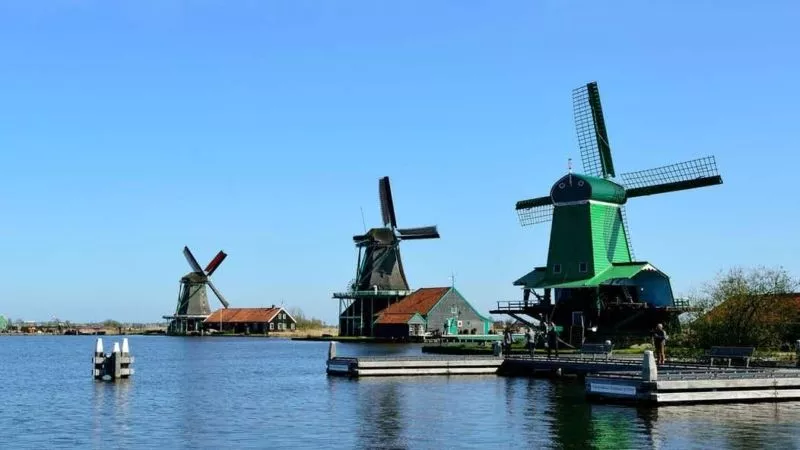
<point x="580" y="188"/>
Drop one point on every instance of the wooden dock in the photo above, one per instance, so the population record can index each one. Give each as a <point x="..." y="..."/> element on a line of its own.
<point x="698" y="386"/>
<point x="611" y="380"/>
<point x="518" y="365"/>
<point x="413" y="365"/>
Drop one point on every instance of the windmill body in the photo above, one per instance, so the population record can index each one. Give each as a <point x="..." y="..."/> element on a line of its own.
<point x="193" y="307"/>
<point x="380" y="278"/>
<point x="592" y="280"/>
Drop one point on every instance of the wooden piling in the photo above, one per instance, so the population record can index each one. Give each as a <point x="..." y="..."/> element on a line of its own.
<point x="649" y="367"/>
<point x="113" y="366"/>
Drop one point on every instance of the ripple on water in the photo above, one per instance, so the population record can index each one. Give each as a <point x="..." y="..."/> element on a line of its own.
<point x="260" y="393"/>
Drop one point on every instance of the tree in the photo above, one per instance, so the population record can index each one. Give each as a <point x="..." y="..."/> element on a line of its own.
<point x="754" y="307"/>
<point x="304" y="323"/>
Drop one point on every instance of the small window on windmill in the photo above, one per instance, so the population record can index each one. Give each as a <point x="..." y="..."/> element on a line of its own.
<point x="583" y="267"/>
<point x="556" y="268"/>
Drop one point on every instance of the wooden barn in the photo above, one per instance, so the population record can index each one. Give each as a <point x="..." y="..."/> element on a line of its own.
<point x="430" y="311"/>
<point x="250" y="320"/>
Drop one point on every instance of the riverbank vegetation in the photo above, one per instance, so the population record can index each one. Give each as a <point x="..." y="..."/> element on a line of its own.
<point x="757" y="307"/>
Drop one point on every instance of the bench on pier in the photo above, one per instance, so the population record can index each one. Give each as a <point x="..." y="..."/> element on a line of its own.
<point x="730" y="353"/>
<point x="596" y="349"/>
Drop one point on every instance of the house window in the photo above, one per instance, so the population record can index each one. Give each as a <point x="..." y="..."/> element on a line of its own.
<point x="556" y="268"/>
<point x="271" y="326"/>
<point x="582" y="267"/>
<point x="292" y="326"/>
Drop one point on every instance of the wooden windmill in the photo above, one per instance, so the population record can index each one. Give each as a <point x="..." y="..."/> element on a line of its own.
<point x="193" y="307"/>
<point x="595" y="281"/>
<point x="380" y="279"/>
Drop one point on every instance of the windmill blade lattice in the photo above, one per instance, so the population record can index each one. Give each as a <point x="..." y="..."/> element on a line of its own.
<point x="675" y="177"/>
<point x="624" y="214"/>
<point x="591" y="128"/>
<point x="535" y="210"/>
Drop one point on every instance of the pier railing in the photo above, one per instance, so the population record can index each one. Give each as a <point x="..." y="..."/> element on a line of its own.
<point x="516" y="305"/>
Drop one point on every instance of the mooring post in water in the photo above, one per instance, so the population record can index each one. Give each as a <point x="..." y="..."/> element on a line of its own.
<point x="332" y="350"/>
<point x="649" y="368"/>
<point x="98" y="359"/>
<point x="116" y="365"/>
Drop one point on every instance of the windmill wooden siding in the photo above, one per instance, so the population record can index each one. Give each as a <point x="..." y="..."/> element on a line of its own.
<point x="429" y="310"/>
<point x="251" y="320"/>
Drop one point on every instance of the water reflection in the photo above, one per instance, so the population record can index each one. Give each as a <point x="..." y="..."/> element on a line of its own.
<point x="745" y="426"/>
<point x="380" y="409"/>
<point x="111" y="411"/>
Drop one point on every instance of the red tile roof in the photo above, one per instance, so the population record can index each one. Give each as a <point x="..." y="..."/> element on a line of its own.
<point x="390" y="319"/>
<point x="243" y="315"/>
<point x="420" y="301"/>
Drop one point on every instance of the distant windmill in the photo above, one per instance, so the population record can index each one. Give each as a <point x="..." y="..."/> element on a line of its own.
<point x="192" y="297"/>
<point x="380" y="279"/>
<point x="381" y="265"/>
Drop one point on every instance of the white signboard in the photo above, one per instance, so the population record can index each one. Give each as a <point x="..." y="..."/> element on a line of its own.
<point x="618" y="389"/>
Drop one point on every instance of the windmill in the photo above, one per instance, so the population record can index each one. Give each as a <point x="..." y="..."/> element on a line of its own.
<point x="380" y="279"/>
<point x="193" y="305"/>
<point x="590" y="262"/>
<point x="379" y="262"/>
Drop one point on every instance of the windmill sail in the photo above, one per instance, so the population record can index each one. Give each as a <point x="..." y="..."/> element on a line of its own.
<point x="675" y="177"/>
<point x="535" y="210"/>
<point x="212" y="266"/>
<point x="418" y="233"/>
<point x="192" y="261"/>
<point x="218" y="294"/>
<point x="591" y="128"/>
<point x="387" y="203"/>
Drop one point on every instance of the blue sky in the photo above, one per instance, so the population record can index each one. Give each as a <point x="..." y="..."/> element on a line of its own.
<point x="131" y="129"/>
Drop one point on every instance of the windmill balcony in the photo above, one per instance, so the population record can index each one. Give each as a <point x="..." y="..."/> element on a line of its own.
<point x="372" y="293"/>
<point x="518" y="305"/>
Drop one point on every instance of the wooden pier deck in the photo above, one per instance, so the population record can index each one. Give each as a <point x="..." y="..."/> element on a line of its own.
<point x="710" y="385"/>
<point x="413" y="365"/>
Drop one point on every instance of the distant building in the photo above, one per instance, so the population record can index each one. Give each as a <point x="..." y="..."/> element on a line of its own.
<point x="439" y="310"/>
<point x="251" y="320"/>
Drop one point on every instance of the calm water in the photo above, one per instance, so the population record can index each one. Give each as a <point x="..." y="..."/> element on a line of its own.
<point x="266" y="393"/>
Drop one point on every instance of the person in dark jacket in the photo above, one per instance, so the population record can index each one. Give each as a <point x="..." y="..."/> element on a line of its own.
<point x="552" y="339"/>
<point x="660" y="344"/>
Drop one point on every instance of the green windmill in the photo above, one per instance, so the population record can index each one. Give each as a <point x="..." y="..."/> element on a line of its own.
<point x="592" y="280"/>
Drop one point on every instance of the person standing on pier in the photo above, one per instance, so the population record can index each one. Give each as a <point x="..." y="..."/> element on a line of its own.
<point x="552" y="339"/>
<point x="660" y="344"/>
<point x="530" y="340"/>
